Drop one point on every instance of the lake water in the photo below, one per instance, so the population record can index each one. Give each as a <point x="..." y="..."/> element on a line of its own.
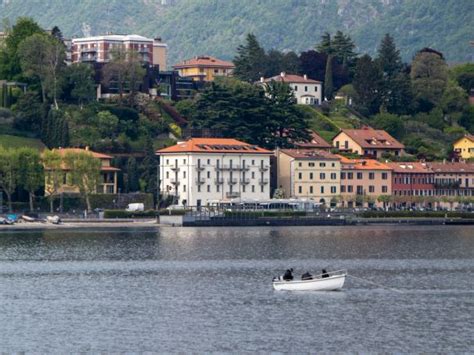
<point x="209" y="290"/>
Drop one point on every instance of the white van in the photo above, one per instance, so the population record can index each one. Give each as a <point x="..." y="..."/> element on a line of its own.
<point x="135" y="207"/>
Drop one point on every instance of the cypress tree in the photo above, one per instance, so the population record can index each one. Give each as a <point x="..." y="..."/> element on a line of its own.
<point x="133" y="183"/>
<point x="328" y="80"/>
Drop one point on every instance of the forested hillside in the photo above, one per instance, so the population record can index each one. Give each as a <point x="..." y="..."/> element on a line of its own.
<point x="216" y="27"/>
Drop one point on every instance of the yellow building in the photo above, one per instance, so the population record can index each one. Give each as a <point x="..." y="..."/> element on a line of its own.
<point x="108" y="179"/>
<point x="465" y="146"/>
<point x="312" y="174"/>
<point x="204" y="68"/>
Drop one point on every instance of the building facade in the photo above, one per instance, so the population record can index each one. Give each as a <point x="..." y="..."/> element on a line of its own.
<point x="465" y="146"/>
<point x="453" y="178"/>
<point x="204" y="68"/>
<point x="311" y="174"/>
<point x="306" y="91"/>
<point x="108" y="174"/>
<point x="204" y="170"/>
<point x="363" y="181"/>
<point x="412" y="179"/>
<point x="99" y="49"/>
<point x="367" y="142"/>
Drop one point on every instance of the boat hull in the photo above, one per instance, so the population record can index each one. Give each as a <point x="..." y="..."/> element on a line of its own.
<point x="331" y="283"/>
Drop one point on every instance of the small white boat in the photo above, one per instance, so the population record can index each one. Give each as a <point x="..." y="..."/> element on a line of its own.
<point x="330" y="281"/>
<point x="53" y="219"/>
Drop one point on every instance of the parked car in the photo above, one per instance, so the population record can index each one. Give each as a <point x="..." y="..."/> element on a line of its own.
<point x="135" y="207"/>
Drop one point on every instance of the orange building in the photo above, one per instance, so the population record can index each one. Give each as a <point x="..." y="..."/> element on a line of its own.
<point x="204" y="68"/>
<point x="363" y="181"/>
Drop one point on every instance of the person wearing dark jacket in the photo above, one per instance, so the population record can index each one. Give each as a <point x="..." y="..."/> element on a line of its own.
<point x="324" y="274"/>
<point x="306" y="276"/>
<point x="288" y="275"/>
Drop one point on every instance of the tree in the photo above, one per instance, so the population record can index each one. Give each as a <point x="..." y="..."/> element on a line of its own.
<point x="429" y="77"/>
<point x="149" y="167"/>
<point x="107" y="124"/>
<point x="55" y="129"/>
<point x="10" y="68"/>
<point x="328" y="83"/>
<point x="29" y="112"/>
<point x="8" y="173"/>
<point x="80" y="83"/>
<point x="250" y="61"/>
<point x="84" y="170"/>
<point x="125" y="70"/>
<point x="313" y="64"/>
<point x="31" y="175"/>
<point x="343" y="49"/>
<point x="367" y="84"/>
<point x="391" y="123"/>
<point x="325" y="46"/>
<point x="385" y="199"/>
<point x="56" y="33"/>
<point x="388" y="57"/>
<point x="133" y="183"/>
<point x="43" y="56"/>
<point x="464" y="75"/>
<point x="54" y="174"/>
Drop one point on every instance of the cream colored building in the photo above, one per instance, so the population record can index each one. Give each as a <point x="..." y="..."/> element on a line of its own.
<point x="312" y="174"/>
<point x="464" y="146"/>
<point x="204" y="170"/>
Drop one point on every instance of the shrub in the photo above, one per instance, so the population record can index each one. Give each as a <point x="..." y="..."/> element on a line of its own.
<point x="128" y="214"/>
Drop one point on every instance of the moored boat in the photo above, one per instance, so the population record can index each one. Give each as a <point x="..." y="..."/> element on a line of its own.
<point x="329" y="281"/>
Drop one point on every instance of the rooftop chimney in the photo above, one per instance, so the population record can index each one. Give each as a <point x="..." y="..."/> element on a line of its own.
<point x="262" y="79"/>
<point x="305" y="77"/>
<point x="282" y="74"/>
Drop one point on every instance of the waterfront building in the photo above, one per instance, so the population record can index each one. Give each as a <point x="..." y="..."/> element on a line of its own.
<point x="363" y="181"/>
<point x="412" y="179"/>
<point x="464" y="146"/>
<point x="311" y="174"/>
<point x="204" y="68"/>
<point x="367" y="142"/>
<point x="98" y="49"/>
<point x="306" y="91"/>
<point x="203" y="170"/>
<point x="453" y="178"/>
<point x="108" y="178"/>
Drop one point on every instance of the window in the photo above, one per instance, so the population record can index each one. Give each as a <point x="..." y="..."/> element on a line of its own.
<point x="333" y="164"/>
<point x="218" y="188"/>
<point x="322" y="165"/>
<point x="208" y="161"/>
<point x="384" y="176"/>
<point x="305" y="88"/>
<point x="343" y="188"/>
<point x="184" y="174"/>
<point x="296" y="87"/>
<point x="184" y="188"/>
<point x="316" y="88"/>
<point x="371" y="176"/>
<point x="359" y="176"/>
<point x="350" y="188"/>
<point x="300" y="176"/>
<point x="371" y="188"/>
<point x="346" y="144"/>
<point x="333" y="189"/>
<point x="253" y="174"/>
<point x="243" y="188"/>
<point x="208" y="174"/>
<point x="311" y="189"/>
<point x="322" y="189"/>
<point x="167" y="162"/>
<point x="184" y="161"/>
<point x="167" y="174"/>
<point x="337" y="144"/>
<point x="333" y="176"/>
<point x="311" y="165"/>
<point x="253" y="162"/>
<point x="300" y="189"/>
<point x="384" y="189"/>
<point x="262" y="187"/>
<point x="350" y="176"/>
<point x="360" y="190"/>
<point x="216" y="71"/>
<point x="343" y="176"/>
<point x="322" y="176"/>
<point x="199" y="162"/>
<point x="199" y="187"/>
<point x="311" y="176"/>
<point x="300" y="164"/>
<point x="253" y="188"/>
<point x="208" y="188"/>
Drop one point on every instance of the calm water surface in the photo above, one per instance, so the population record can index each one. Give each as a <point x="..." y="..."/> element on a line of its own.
<point x="209" y="290"/>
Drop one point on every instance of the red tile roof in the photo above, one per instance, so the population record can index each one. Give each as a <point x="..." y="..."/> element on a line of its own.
<point x="316" y="142"/>
<point x="204" y="61"/>
<point x="291" y="78"/>
<point x="410" y="167"/>
<point x="452" y="167"/>
<point x="362" y="164"/>
<point x="372" y="138"/>
<point x="214" y="145"/>
<point x="305" y="154"/>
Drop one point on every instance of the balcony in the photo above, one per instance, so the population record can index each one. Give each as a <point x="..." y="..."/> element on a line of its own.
<point x="88" y="50"/>
<point x="200" y="168"/>
<point x="263" y="168"/>
<point x="232" y="167"/>
<point x="447" y="184"/>
<point x="244" y="181"/>
<point x="232" y="194"/>
<point x="219" y="181"/>
<point x="175" y="168"/>
<point x="200" y="181"/>
<point x="232" y="181"/>
<point x="88" y="58"/>
<point x="174" y="181"/>
<point x="263" y="182"/>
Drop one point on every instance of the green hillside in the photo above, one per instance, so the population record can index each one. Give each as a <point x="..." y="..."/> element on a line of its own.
<point x="217" y="27"/>
<point x="8" y="141"/>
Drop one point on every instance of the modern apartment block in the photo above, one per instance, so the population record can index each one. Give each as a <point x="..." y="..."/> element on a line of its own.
<point x="99" y="49"/>
<point x="200" y="171"/>
<point x="312" y="174"/>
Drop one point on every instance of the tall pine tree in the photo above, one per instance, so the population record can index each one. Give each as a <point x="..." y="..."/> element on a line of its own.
<point x="250" y="60"/>
<point x="367" y="84"/>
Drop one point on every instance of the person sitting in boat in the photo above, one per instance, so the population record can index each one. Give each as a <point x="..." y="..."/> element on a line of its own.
<point x="288" y="275"/>
<point x="324" y="274"/>
<point x="306" y="276"/>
